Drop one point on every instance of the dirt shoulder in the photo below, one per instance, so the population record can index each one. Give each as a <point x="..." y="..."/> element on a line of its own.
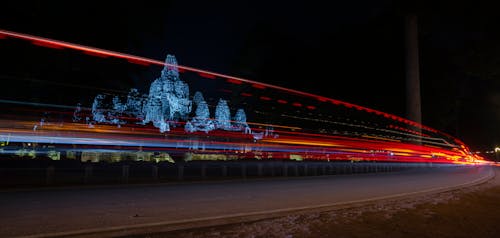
<point x="468" y="212"/>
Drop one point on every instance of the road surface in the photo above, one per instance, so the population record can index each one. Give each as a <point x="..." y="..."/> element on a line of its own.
<point x="122" y="210"/>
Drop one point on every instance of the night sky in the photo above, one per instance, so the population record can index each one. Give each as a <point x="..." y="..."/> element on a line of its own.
<point x="347" y="50"/>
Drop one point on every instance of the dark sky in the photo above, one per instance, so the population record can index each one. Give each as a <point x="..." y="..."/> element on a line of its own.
<point x="347" y="50"/>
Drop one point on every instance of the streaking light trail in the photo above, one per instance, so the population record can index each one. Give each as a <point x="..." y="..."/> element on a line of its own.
<point x="56" y="44"/>
<point x="276" y="140"/>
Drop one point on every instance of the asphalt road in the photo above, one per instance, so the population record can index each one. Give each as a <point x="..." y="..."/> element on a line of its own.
<point x="125" y="209"/>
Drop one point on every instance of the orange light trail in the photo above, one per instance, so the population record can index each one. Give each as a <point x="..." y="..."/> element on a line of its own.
<point x="288" y="141"/>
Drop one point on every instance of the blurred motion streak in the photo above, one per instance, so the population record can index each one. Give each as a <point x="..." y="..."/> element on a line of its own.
<point x="284" y="136"/>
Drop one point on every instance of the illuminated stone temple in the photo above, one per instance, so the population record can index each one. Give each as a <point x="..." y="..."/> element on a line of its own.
<point x="168" y="102"/>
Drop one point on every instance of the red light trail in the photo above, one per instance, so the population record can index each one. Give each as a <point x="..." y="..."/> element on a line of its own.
<point x="204" y="73"/>
<point x="288" y="142"/>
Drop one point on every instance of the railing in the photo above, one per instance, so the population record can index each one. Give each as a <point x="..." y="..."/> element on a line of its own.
<point x="124" y="173"/>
